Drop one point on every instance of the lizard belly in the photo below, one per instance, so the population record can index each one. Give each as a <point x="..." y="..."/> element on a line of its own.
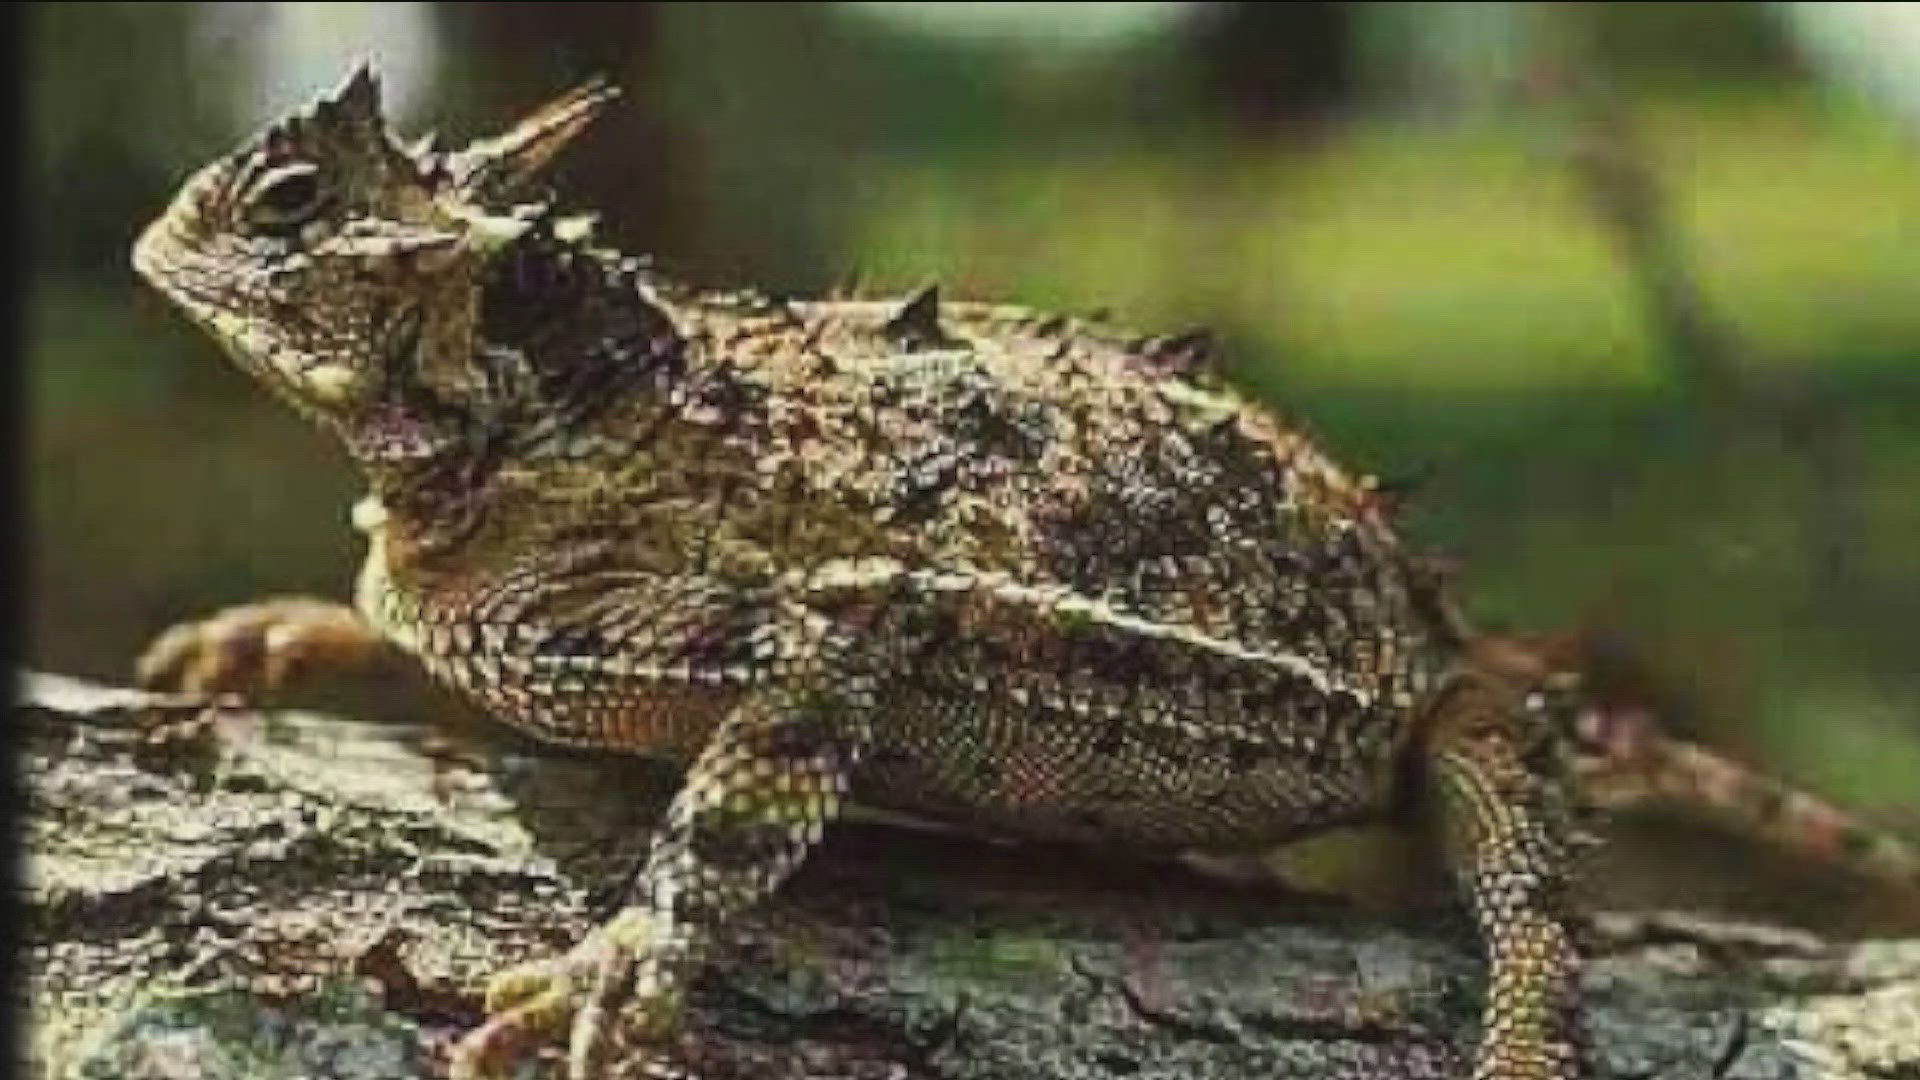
<point x="1047" y="720"/>
<point x="1030" y="774"/>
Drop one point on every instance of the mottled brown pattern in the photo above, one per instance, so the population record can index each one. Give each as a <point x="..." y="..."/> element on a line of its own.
<point x="1021" y="571"/>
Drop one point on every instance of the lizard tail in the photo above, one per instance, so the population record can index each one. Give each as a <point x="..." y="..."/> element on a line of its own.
<point x="1626" y="762"/>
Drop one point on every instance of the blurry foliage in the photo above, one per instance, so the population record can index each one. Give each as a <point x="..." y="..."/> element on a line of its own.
<point x="1689" y="46"/>
<point x="1427" y="291"/>
<point x="107" y="125"/>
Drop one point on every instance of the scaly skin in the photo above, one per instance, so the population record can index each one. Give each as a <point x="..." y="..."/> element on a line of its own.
<point x="1018" y="571"/>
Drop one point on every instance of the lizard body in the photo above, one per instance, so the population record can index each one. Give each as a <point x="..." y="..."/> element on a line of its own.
<point x="1018" y="571"/>
<point x="1053" y="655"/>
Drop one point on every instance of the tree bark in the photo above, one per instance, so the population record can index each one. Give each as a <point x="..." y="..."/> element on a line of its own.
<point x="262" y="894"/>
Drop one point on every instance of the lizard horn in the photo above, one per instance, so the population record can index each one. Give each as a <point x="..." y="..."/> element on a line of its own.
<point x="357" y="97"/>
<point x="916" y="323"/>
<point x="494" y="166"/>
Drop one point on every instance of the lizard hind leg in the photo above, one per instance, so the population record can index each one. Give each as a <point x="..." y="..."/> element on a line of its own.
<point x="1627" y="762"/>
<point x="1506" y="825"/>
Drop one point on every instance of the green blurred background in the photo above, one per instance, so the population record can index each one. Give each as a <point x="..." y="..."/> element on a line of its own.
<point x="1378" y="206"/>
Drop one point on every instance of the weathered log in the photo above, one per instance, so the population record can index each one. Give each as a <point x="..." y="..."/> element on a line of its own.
<point x="288" y="894"/>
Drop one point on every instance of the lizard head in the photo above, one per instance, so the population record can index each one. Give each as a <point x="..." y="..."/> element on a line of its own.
<point x="342" y="267"/>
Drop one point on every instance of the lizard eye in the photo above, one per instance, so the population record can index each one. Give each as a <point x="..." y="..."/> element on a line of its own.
<point x="284" y="199"/>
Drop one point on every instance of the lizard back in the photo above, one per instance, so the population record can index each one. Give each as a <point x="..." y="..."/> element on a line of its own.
<point x="1114" y="602"/>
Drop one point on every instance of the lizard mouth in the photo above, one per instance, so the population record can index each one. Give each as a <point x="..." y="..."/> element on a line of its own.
<point x="149" y="252"/>
<point x="163" y="257"/>
<point x="267" y="348"/>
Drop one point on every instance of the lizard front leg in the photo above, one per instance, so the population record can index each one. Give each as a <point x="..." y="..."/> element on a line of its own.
<point x="1507" y="830"/>
<point x="754" y="803"/>
<point x="254" y="649"/>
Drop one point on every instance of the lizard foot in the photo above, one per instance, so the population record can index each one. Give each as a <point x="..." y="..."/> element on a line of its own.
<point x="254" y="649"/>
<point x="611" y="979"/>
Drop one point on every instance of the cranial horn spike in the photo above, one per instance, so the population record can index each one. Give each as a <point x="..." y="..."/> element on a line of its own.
<point x="359" y="96"/>
<point x="490" y="168"/>
<point x="917" y="322"/>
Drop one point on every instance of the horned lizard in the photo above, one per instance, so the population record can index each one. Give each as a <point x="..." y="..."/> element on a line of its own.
<point x="1020" y="571"/>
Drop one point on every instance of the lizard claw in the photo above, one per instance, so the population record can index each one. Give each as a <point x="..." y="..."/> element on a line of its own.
<point x="253" y="649"/>
<point x="612" y="982"/>
<point x="588" y="988"/>
<point x="488" y="1051"/>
